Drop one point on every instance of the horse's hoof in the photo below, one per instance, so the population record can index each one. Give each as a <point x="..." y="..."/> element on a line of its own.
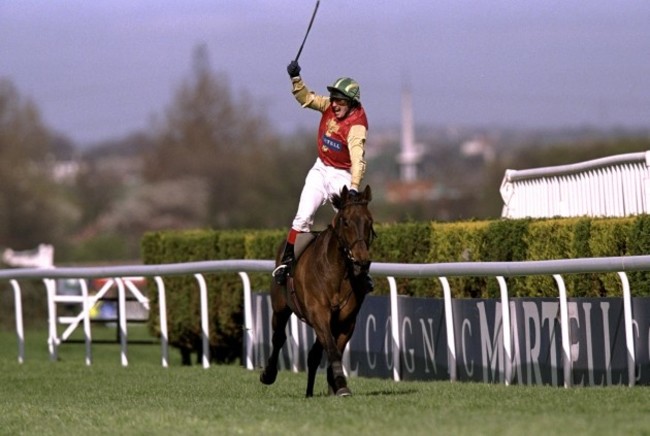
<point x="268" y="378"/>
<point x="343" y="392"/>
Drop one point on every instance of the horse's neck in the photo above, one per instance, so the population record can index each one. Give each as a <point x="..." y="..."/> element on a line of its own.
<point x="328" y="241"/>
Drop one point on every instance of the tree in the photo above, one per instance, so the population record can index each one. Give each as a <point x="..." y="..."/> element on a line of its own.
<point x="32" y="209"/>
<point x="209" y="134"/>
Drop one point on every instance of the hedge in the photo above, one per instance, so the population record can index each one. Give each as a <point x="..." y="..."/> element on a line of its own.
<point x="413" y="242"/>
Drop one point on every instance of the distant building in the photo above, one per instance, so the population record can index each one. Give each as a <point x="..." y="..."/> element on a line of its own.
<point x="405" y="192"/>
<point x="409" y="187"/>
<point x="411" y="153"/>
<point x="478" y="147"/>
<point x="40" y="257"/>
<point x="65" y="171"/>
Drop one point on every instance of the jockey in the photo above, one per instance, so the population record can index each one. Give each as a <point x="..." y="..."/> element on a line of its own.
<point x="340" y="162"/>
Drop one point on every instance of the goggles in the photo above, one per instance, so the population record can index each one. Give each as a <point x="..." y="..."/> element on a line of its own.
<point x="339" y="98"/>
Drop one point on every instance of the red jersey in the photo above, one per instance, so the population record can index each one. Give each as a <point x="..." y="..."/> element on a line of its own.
<point x="333" y="136"/>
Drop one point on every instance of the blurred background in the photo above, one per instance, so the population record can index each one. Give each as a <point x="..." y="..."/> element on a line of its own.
<point x="121" y="117"/>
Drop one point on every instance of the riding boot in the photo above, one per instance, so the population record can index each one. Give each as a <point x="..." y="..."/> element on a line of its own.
<point x="280" y="273"/>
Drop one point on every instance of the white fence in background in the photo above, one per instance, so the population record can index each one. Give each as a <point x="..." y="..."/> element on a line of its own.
<point x="121" y="275"/>
<point x="614" y="186"/>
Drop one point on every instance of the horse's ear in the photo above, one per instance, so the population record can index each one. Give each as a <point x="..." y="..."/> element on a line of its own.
<point x="367" y="193"/>
<point x="344" y="194"/>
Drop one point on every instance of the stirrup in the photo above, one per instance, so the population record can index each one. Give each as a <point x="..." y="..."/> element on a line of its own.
<point x="280" y="270"/>
<point x="280" y="273"/>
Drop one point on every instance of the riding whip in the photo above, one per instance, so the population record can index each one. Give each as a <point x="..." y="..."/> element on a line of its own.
<point x="313" y="15"/>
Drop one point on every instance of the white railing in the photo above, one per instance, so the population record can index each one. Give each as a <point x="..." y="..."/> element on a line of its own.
<point x="120" y="274"/>
<point x="608" y="187"/>
<point x="122" y="277"/>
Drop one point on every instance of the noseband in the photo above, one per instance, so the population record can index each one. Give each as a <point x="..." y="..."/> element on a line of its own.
<point x="347" y="249"/>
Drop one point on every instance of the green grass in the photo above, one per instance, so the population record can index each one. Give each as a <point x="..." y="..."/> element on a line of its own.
<point x="67" y="397"/>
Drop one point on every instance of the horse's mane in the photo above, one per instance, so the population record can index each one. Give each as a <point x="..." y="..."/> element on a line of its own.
<point x="338" y="203"/>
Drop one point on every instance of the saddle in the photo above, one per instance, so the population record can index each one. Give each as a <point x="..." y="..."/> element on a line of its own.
<point x="303" y="240"/>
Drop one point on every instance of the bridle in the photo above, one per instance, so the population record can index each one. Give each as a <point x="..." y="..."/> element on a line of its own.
<point x="347" y="250"/>
<point x="346" y="247"/>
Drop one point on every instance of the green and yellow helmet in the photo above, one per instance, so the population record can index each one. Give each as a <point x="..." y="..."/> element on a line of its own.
<point x="346" y="87"/>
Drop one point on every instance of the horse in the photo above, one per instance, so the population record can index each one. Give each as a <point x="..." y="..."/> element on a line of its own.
<point x="326" y="288"/>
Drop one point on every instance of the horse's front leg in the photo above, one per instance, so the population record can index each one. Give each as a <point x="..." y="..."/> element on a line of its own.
<point x="343" y="336"/>
<point x="279" y="323"/>
<point x="336" y="376"/>
<point x="313" y="360"/>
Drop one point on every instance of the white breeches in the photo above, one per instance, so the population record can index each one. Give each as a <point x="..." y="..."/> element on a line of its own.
<point x="321" y="183"/>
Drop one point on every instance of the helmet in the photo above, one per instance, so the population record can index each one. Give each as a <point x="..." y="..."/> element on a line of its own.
<point x="348" y="87"/>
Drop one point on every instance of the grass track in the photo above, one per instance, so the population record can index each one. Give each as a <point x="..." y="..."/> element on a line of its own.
<point x="67" y="397"/>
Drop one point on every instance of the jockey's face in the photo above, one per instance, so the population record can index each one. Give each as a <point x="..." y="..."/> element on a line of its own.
<point x="340" y="106"/>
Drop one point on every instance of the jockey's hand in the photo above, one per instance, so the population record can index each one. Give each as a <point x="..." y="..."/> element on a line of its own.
<point x="293" y="69"/>
<point x="352" y="193"/>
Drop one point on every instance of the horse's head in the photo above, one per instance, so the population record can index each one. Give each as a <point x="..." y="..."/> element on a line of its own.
<point x="353" y="227"/>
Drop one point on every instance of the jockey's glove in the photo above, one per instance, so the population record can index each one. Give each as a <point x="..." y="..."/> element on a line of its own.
<point x="293" y="69"/>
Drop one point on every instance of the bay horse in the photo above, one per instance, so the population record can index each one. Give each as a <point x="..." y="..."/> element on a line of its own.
<point x="326" y="288"/>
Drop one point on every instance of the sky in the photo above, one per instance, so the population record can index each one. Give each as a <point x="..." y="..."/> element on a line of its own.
<point x="99" y="70"/>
